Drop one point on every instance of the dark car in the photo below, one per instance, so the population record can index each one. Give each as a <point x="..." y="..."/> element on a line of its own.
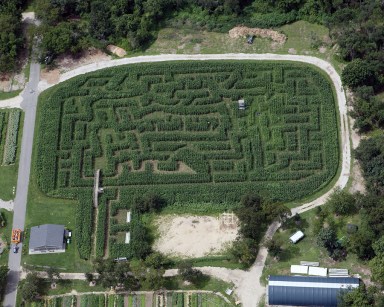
<point x="250" y="39"/>
<point x="15" y="249"/>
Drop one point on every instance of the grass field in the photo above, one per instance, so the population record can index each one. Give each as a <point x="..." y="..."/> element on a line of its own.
<point x="308" y="250"/>
<point x="302" y="38"/>
<point x="8" y="171"/>
<point x="7" y="95"/>
<point x="172" y="127"/>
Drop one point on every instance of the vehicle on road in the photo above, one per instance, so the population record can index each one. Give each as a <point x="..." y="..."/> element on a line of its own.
<point x="16" y="236"/>
<point x="15" y="249"/>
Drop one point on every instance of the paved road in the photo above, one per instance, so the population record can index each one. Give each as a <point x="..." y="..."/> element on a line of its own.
<point x="28" y="104"/>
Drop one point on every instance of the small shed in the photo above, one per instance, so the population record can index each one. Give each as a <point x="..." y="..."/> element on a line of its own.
<point x="296" y="237"/>
<point x="127" y="237"/>
<point x="318" y="271"/>
<point x="241" y="104"/>
<point x="128" y="216"/>
<point x="299" y="269"/>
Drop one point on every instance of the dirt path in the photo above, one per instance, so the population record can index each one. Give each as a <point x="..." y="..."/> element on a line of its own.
<point x="14" y="102"/>
<point x="7" y="205"/>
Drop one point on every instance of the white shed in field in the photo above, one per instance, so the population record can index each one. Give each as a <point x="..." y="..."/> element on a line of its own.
<point x="299" y="269"/>
<point x="318" y="271"/>
<point x="241" y="104"/>
<point x="296" y="237"/>
<point x="127" y="237"/>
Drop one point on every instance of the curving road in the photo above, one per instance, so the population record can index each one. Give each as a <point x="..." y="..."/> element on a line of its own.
<point x="248" y="286"/>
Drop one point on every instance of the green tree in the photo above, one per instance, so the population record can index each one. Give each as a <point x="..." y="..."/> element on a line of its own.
<point x="149" y="277"/>
<point x="358" y="297"/>
<point x="327" y="238"/>
<point x="342" y="203"/>
<point x="53" y="274"/>
<point x="113" y="274"/>
<point x="378" y="246"/>
<point x="357" y="73"/>
<point x="100" y="26"/>
<point x="370" y="153"/>
<point x="157" y="261"/>
<point x="244" y="251"/>
<point x="377" y="268"/>
<point x="31" y="287"/>
<point x="361" y="244"/>
<point x="10" y="35"/>
<point x="188" y="273"/>
<point x="3" y="279"/>
<point x="274" y="248"/>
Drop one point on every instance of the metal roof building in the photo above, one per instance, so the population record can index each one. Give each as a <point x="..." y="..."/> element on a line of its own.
<point x="308" y="291"/>
<point x="47" y="238"/>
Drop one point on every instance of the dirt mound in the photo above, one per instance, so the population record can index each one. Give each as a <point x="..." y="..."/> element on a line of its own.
<point x="242" y="31"/>
<point x="120" y="52"/>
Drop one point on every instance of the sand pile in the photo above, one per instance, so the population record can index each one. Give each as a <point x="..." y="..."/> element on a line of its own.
<point x="242" y="31"/>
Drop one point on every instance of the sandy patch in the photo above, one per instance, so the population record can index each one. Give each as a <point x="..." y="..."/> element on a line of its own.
<point x="66" y="63"/>
<point x="193" y="236"/>
<point x="292" y="51"/>
<point x="358" y="182"/>
<point x="237" y="32"/>
<point x="120" y="52"/>
<point x="323" y="49"/>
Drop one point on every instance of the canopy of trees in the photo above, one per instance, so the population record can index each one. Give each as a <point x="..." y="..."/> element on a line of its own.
<point x="10" y="34"/>
<point x="370" y="153"/>
<point x="255" y="214"/>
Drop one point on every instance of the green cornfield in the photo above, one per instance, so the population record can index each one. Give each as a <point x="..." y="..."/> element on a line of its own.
<point x="176" y="129"/>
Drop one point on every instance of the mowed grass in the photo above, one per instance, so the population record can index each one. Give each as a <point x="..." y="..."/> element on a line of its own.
<point x="44" y="210"/>
<point x="308" y="250"/>
<point x="53" y="211"/>
<point x="301" y="39"/>
<point x="8" y="173"/>
<point x="8" y="95"/>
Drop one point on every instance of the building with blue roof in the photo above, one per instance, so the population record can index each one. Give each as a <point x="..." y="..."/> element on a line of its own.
<point x="308" y="291"/>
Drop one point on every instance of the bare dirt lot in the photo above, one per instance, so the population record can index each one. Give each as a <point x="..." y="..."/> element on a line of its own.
<point x="193" y="236"/>
<point x="65" y="63"/>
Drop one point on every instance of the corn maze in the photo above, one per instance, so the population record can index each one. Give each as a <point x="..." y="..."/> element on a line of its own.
<point x="175" y="129"/>
<point x="9" y="127"/>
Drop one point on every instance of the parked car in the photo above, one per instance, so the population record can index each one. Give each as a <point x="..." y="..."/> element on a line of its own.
<point x="250" y="39"/>
<point x="15" y="249"/>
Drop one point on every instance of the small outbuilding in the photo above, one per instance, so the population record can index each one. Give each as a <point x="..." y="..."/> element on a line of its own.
<point x="296" y="237"/>
<point x="241" y="104"/>
<point x="308" y="291"/>
<point x="299" y="269"/>
<point x="318" y="271"/>
<point x="47" y="238"/>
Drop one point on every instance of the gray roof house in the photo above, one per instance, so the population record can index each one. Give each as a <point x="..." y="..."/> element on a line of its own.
<point x="47" y="238"/>
<point x="308" y="291"/>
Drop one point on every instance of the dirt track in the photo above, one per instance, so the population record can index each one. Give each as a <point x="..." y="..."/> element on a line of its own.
<point x="247" y="284"/>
